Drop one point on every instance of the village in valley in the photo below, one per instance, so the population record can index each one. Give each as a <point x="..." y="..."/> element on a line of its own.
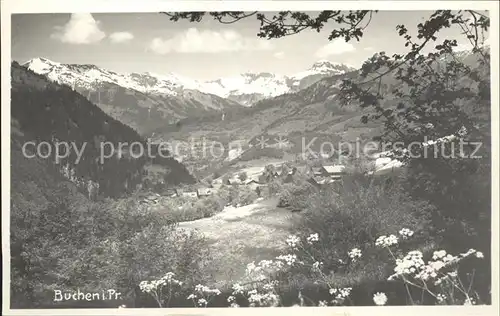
<point x="257" y="179"/>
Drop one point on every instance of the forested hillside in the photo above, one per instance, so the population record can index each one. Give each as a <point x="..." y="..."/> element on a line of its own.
<point x="46" y="111"/>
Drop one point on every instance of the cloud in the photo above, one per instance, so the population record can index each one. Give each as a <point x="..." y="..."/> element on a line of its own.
<point x="369" y="48"/>
<point x="81" y="28"/>
<point x="279" y="55"/>
<point x="335" y="47"/>
<point x="207" y="41"/>
<point x="121" y="37"/>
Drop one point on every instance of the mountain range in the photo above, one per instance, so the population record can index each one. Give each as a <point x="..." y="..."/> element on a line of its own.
<point x="147" y="101"/>
<point x="246" y="88"/>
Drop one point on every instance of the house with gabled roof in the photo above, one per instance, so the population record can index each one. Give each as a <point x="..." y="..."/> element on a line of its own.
<point x="235" y="181"/>
<point x="203" y="192"/>
<point x="334" y="171"/>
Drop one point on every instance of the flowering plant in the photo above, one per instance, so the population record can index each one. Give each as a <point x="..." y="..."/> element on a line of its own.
<point x="438" y="276"/>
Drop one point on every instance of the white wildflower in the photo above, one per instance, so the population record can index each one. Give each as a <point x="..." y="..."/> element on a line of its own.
<point x="215" y="291"/>
<point x="468" y="253"/>
<point x="441" y="298"/>
<point x="340" y="294"/>
<point x="406" y="233"/>
<point x="411" y="263"/>
<point x="439" y="281"/>
<point x="289" y="259"/>
<point x="265" y="264"/>
<point x="436" y="265"/>
<point x="453" y="274"/>
<point x="147" y="287"/>
<point x="237" y="289"/>
<point x="317" y="265"/>
<point x="379" y="298"/>
<point x="449" y="258"/>
<point x="262" y="299"/>
<point x="462" y="131"/>
<point x="439" y="254"/>
<point x="386" y="241"/>
<point x="312" y="238"/>
<point x="292" y="241"/>
<point x="250" y="267"/>
<point x="354" y="254"/>
<point x="322" y="303"/>
<point x="268" y="287"/>
<point x="202" y="302"/>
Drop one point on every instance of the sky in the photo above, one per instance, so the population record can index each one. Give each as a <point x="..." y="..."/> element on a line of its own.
<point x="149" y="42"/>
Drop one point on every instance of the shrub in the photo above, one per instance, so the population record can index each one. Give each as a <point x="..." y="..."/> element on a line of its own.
<point x="352" y="215"/>
<point x="228" y="194"/>
<point x="96" y="247"/>
<point x="295" y="195"/>
<point x="235" y="195"/>
<point x="461" y="191"/>
<point x="246" y="196"/>
<point x="243" y="176"/>
<point x="209" y="206"/>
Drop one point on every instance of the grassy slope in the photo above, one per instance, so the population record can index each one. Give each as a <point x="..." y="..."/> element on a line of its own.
<point x="240" y="236"/>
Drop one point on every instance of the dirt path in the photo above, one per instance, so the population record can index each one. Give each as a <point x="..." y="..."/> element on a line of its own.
<point x="238" y="236"/>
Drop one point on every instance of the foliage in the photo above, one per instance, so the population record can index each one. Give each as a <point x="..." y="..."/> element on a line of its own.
<point x="287" y="23"/>
<point x="435" y="282"/>
<point x="439" y="94"/>
<point x="62" y="241"/>
<point x="353" y="214"/>
<point x="243" y="176"/>
<point x="246" y="196"/>
<point x="295" y="195"/>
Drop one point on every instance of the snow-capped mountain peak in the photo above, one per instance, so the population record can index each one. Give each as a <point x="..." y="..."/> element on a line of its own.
<point x="41" y="65"/>
<point x="324" y="67"/>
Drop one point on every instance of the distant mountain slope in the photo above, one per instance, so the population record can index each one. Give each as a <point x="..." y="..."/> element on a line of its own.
<point x="246" y="88"/>
<point x="49" y="112"/>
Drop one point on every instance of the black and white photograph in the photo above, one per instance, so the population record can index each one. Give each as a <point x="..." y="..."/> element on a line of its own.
<point x="240" y="154"/>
